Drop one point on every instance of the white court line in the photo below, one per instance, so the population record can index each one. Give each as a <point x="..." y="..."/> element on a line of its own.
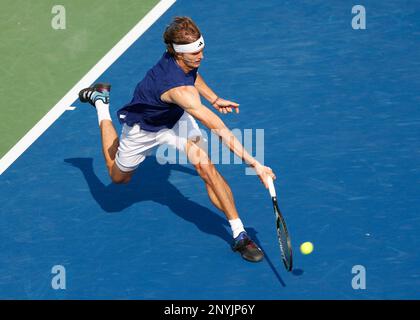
<point x="32" y="135"/>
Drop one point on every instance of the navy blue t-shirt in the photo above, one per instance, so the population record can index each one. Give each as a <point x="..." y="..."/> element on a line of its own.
<point x="146" y="108"/>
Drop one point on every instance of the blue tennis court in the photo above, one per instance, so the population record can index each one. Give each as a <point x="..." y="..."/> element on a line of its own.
<point x="341" y="119"/>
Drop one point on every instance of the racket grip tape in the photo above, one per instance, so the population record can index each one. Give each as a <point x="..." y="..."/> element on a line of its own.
<point x="271" y="188"/>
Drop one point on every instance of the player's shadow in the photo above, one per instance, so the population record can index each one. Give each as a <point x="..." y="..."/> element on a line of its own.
<point x="151" y="183"/>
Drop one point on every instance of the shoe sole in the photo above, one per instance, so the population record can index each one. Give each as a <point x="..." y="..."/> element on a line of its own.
<point x="249" y="259"/>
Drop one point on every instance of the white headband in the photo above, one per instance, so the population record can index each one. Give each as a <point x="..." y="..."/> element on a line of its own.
<point x="190" y="47"/>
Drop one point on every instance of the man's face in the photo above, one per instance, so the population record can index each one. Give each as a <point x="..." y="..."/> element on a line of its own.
<point x="192" y="60"/>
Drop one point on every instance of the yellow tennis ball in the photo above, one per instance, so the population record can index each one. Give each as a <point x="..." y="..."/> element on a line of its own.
<point x="306" y="247"/>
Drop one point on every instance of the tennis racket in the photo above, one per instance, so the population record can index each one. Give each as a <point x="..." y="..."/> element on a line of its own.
<point x="282" y="233"/>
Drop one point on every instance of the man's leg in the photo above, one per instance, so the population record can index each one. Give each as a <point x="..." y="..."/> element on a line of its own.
<point x="234" y="221"/>
<point x="214" y="199"/>
<point x="221" y="196"/>
<point x="98" y="96"/>
<point x="218" y="190"/>
<point x="110" y="143"/>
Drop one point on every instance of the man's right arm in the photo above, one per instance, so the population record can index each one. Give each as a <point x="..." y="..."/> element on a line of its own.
<point x="188" y="98"/>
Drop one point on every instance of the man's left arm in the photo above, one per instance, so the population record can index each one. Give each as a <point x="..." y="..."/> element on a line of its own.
<point x="222" y="105"/>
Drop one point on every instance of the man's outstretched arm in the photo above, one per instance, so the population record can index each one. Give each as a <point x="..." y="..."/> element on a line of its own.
<point x="188" y="98"/>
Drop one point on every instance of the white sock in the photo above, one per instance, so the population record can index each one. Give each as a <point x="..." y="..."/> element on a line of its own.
<point x="103" y="111"/>
<point x="237" y="227"/>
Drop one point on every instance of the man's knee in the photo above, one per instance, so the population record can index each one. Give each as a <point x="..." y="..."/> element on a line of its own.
<point x="206" y="170"/>
<point x="121" y="180"/>
<point x="118" y="176"/>
<point x="201" y="161"/>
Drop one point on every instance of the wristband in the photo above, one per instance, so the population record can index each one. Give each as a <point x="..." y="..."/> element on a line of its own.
<point x="217" y="98"/>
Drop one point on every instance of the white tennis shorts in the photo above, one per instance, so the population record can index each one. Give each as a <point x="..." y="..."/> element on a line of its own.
<point x="136" y="144"/>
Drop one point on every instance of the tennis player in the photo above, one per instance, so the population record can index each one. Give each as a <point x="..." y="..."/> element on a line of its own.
<point x="167" y="98"/>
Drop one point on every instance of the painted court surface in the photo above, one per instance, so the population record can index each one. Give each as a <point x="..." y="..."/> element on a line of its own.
<point x="341" y="119"/>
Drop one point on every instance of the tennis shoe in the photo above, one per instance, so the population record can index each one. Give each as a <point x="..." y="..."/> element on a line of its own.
<point x="247" y="248"/>
<point x="99" y="91"/>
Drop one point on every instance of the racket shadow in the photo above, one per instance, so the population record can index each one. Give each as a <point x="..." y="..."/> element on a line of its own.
<point x="253" y="235"/>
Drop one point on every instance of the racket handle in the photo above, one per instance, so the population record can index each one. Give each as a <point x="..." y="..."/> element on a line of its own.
<point x="271" y="187"/>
